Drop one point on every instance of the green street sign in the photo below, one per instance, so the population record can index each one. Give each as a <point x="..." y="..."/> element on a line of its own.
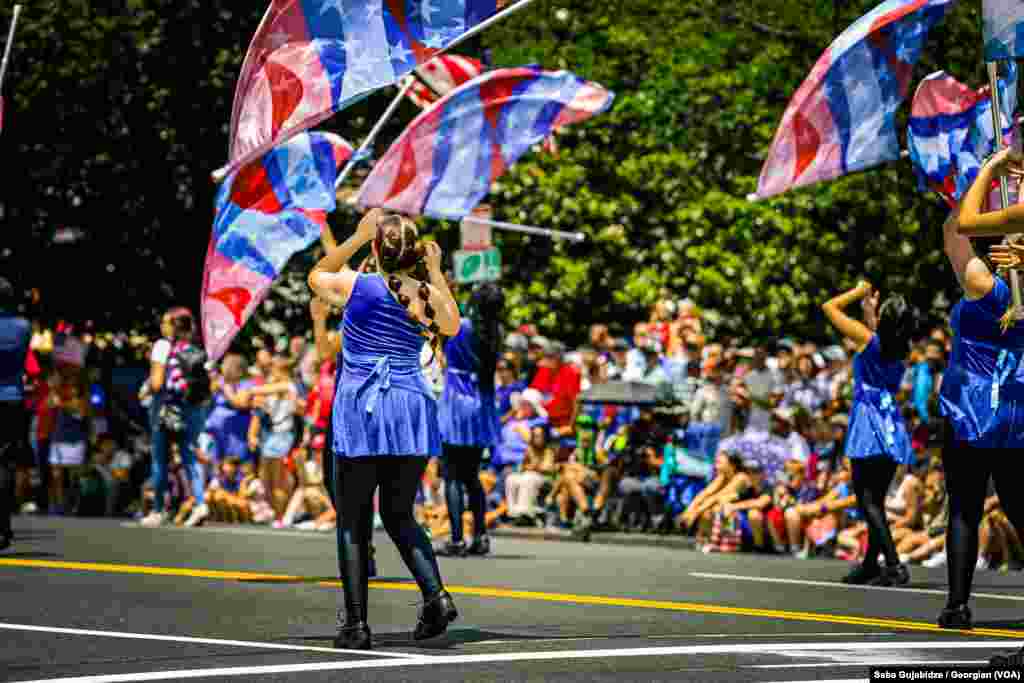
<point x="477" y="266"/>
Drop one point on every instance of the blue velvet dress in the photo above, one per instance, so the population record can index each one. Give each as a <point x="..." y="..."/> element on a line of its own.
<point x="983" y="387"/>
<point x="876" y="423"/>
<point x="468" y="414"/>
<point x="382" y="404"/>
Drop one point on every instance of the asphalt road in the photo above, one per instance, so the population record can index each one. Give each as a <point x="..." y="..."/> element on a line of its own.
<point x="100" y="600"/>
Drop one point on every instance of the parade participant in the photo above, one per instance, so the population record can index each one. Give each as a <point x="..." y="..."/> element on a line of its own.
<point x="468" y="415"/>
<point x="384" y="415"/>
<point x="876" y="440"/>
<point x="982" y="399"/>
<point x="15" y="334"/>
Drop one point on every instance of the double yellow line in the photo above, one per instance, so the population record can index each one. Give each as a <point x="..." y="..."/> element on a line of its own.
<point x="509" y="594"/>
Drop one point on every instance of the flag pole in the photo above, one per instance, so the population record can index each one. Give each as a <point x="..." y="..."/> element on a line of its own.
<point x="529" y="229"/>
<point x="1017" y="311"/>
<point x="483" y="25"/>
<point x="10" y="42"/>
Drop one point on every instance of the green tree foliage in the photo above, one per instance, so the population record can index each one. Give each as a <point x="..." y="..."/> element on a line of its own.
<point x="115" y="119"/>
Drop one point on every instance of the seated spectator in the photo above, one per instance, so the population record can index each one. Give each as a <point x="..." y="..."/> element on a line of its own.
<point x="224" y="496"/>
<point x="528" y="413"/>
<point x="728" y="485"/>
<point x="97" y="489"/>
<point x="773" y="449"/>
<point x="507" y="387"/>
<point x="576" y="479"/>
<point x="523" y="487"/>
<point x="727" y="528"/>
<point x="310" y="499"/>
<point x="683" y="475"/>
<point x="817" y="522"/>
<point x="634" y="468"/>
<point x="751" y="508"/>
<point x="903" y="509"/>
<point x="793" y="488"/>
<point x="999" y="543"/>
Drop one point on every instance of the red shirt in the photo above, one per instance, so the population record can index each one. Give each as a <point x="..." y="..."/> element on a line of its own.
<point x="564" y="390"/>
<point x="322" y="394"/>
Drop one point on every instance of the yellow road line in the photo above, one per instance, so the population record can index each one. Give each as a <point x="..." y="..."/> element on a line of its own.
<point x="504" y="593"/>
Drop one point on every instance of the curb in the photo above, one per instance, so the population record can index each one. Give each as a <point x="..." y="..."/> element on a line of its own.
<point x="599" y="538"/>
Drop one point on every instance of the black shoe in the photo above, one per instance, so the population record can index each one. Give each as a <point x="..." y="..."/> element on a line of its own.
<point x="481" y="545"/>
<point x="1014" y="661"/>
<point x="892" y="576"/>
<point x="862" y="574"/>
<point x="956" y="617"/>
<point x="450" y="549"/>
<point x="5" y="540"/>
<point x="435" y="616"/>
<point x="352" y="636"/>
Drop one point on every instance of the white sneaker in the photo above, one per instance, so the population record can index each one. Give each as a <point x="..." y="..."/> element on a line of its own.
<point x="29" y="508"/>
<point x="154" y="519"/>
<point x="935" y="561"/>
<point x="905" y="558"/>
<point x="982" y="563"/>
<point x="199" y="513"/>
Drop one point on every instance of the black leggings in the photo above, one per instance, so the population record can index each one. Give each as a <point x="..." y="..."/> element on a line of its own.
<point x="871" y="479"/>
<point x="356" y="480"/>
<point x="967" y="472"/>
<point x="13" y="435"/>
<point x="462" y="468"/>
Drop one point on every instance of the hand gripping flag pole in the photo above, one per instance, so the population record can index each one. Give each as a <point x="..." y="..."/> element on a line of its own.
<point x="361" y="152"/>
<point x="1016" y="311"/>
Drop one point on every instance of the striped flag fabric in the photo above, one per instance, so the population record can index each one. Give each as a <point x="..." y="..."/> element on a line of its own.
<point x="951" y="132"/>
<point x="266" y="212"/>
<point x="310" y="59"/>
<point x="444" y="162"/>
<point x="1002" y="29"/>
<point x="843" y="117"/>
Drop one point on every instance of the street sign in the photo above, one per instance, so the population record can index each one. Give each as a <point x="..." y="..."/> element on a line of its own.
<point x="475" y="236"/>
<point x="477" y="266"/>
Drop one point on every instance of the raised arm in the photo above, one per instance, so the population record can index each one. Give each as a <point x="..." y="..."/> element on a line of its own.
<point x="847" y="326"/>
<point x="971" y="272"/>
<point x="332" y="279"/>
<point x="326" y="347"/>
<point x="445" y="309"/>
<point x="974" y="223"/>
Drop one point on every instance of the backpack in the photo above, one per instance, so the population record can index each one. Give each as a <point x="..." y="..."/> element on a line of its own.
<point x="190" y="376"/>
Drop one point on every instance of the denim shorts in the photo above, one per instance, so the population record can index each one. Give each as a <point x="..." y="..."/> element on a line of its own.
<point x="277" y="445"/>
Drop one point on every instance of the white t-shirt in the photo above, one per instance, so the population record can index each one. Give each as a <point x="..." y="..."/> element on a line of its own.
<point x="161" y="352"/>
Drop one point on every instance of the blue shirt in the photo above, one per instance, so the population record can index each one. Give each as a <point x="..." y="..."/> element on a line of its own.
<point x="15" y="334"/>
<point x="923" y="383"/>
<point x="503" y="395"/>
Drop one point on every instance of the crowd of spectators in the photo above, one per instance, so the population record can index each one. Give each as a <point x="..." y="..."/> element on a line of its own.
<point x="741" y="449"/>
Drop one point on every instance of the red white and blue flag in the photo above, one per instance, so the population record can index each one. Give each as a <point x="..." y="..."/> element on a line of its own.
<point x="311" y="59"/>
<point x="1003" y="29"/>
<point x="267" y="211"/>
<point x="843" y="117"/>
<point x="951" y="131"/>
<point x="443" y="164"/>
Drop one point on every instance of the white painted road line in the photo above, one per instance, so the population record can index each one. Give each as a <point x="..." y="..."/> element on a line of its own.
<point x="921" y="662"/>
<point x="556" y="655"/>
<point x="837" y="584"/>
<point x="198" y="641"/>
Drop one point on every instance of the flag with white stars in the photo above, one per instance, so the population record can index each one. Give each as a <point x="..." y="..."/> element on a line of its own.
<point x="310" y="59"/>
<point x="843" y="117"/>
<point x="267" y="211"/>
<point x="950" y="131"/>
<point x="444" y="163"/>
<point x="1003" y="29"/>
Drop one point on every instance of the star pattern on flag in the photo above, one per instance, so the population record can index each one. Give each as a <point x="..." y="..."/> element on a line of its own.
<point x="400" y="52"/>
<point x="336" y="5"/>
<point x="434" y="40"/>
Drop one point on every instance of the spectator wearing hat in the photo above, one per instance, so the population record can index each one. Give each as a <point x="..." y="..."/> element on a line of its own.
<point x="803" y="389"/>
<point x="560" y="383"/>
<point x="652" y="370"/>
<point x="618" y="359"/>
